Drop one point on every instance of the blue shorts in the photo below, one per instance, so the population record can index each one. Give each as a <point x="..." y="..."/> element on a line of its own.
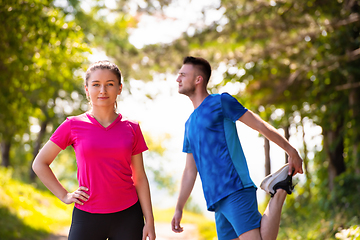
<point x="237" y="214"/>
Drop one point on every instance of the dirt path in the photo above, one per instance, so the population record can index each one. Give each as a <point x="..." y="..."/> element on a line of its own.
<point x="163" y="232"/>
<point x="62" y="235"/>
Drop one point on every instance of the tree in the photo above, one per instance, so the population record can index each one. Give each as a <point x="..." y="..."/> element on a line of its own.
<point x="111" y="34"/>
<point x="40" y="53"/>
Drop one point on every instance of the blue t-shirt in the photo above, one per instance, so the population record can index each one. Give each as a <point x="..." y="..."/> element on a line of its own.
<point x="211" y="136"/>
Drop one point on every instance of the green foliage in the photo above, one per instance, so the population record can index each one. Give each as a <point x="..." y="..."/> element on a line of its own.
<point x="65" y="168"/>
<point x="352" y="233"/>
<point x="27" y="213"/>
<point x="12" y="227"/>
<point x="192" y="207"/>
<point x="109" y="32"/>
<point x="321" y="214"/>
<point x="346" y="194"/>
<point x="41" y="53"/>
<point x="298" y="56"/>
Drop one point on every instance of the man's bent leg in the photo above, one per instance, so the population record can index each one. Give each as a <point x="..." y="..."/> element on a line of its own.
<point x="251" y="235"/>
<point x="270" y="222"/>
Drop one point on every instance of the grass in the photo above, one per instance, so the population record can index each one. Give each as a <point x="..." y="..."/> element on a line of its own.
<point x="28" y="213"/>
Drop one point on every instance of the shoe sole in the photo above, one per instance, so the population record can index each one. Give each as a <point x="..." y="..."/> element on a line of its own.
<point x="268" y="183"/>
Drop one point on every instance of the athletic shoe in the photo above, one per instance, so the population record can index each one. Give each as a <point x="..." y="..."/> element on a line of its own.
<point x="279" y="179"/>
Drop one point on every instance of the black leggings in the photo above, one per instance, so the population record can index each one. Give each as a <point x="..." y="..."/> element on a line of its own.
<point x="124" y="225"/>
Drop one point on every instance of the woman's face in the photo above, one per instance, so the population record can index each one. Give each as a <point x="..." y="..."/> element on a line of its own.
<point x="103" y="88"/>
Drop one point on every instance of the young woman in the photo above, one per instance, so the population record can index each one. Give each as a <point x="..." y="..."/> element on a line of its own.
<point x="113" y="197"/>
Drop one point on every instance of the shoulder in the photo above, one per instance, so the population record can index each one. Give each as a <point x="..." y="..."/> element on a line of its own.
<point x="215" y="96"/>
<point x="226" y="96"/>
<point x="130" y="123"/>
<point x="75" y="120"/>
<point x="132" y="126"/>
<point x="212" y="98"/>
<point x="81" y="118"/>
<point x="222" y="97"/>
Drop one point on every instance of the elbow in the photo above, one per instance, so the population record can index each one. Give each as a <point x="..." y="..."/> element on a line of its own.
<point x="140" y="181"/>
<point x="36" y="166"/>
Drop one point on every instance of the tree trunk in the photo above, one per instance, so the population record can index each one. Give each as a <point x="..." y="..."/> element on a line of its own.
<point x="5" y="153"/>
<point x="37" y="146"/>
<point x="267" y="156"/>
<point x="306" y="162"/>
<point x="287" y="136"/>
<point x="354" y="99"/>
<point x="354" y="107"/>
<point x="334" y="143"/>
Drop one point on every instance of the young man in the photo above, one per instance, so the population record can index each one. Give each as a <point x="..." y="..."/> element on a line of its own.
<point x="214" y="150"/>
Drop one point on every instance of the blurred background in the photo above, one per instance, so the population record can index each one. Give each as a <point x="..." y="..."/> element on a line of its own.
<point x="295" y="63"/>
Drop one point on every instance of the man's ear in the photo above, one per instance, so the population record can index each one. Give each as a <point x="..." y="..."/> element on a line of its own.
<point x="199" y="79"/>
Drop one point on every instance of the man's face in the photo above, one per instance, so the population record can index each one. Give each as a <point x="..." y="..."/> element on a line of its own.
<point x="186" y="79"/>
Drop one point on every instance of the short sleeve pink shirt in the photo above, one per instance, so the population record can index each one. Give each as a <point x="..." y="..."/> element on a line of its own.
<point x="103" y="157"/>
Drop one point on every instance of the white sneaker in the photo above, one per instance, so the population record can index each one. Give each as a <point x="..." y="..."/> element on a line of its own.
<point x="279" y="179"/>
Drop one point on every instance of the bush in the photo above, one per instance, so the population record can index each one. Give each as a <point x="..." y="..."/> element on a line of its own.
<point x="27" y="213"/>
<point x="352" y="233"/>
<point x="317" y="213"/>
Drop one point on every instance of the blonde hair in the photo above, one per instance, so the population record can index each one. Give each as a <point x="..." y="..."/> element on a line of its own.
<point x="103" y="65"/>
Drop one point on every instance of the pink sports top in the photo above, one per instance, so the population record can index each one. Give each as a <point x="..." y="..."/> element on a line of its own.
<point x="103" y="157"/>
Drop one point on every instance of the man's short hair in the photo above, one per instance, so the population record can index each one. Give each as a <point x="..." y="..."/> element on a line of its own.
<point x="202" y="64"/>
